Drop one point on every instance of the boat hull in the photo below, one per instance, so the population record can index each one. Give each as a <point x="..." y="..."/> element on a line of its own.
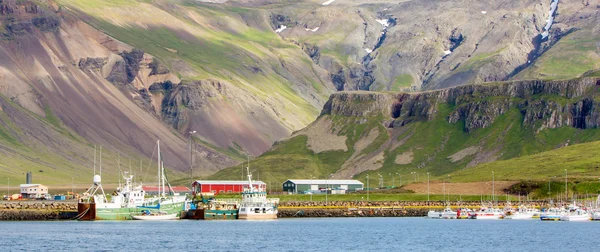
<point x="575" y="218"/>
<point x="550" y="217"/>
<point x="261" y="216"/>
<point x="155" y="217"/>
<point x="519" y="217"/>
<point x="125" y="213"/>
<point x="488" y="217"/>
<point x="434" y="215"/>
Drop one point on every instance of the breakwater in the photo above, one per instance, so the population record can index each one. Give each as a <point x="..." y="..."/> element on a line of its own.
<point x="38" y="210"/>
<point x="65" y="210"/>
<point x="336" y="212"/>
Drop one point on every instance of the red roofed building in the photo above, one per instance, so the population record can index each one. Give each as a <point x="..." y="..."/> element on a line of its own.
<point x="224" y="186"/>
<point x="176" y="189"/>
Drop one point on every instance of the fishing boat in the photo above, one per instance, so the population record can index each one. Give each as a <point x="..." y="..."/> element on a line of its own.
<point x="488" y="214"/>
<point x="576" y="214"/>
<point x="522" y="213"/>
<point x="128" y="200"/>
<point x="94" y="205"/>
<point x="255" y="205"/>
<point x="206" y="207"/>
<point x="434" y="214"/>
<point x="551" y="214"/>
<point x="596" y="215"/>
<point x="464" y="213"/>
<point x="147" y="215"/>
<point x="447" y="213"/>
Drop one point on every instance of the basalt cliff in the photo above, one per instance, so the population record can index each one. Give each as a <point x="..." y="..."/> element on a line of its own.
<point x="437" y="132"/>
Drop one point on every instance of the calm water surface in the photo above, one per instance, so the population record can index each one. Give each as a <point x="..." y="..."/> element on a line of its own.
<point x="322" y="234"/>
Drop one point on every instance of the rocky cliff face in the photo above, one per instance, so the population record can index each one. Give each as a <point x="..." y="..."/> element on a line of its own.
<point x="543" y="104"/>
<point x="424" y="45"/>
<point x="441" y="131"/>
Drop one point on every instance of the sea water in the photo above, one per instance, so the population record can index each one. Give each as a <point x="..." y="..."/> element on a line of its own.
<point x="302" y="234"/>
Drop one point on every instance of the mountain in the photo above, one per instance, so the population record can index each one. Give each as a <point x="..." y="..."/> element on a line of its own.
<point x="72" y="79"/>
<point x="437" y="132"/>
<point x="245" y="74"/>
<point x="422" y="45"/>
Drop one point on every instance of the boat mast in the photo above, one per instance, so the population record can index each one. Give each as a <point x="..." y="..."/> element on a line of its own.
<point x="158" y="162"/>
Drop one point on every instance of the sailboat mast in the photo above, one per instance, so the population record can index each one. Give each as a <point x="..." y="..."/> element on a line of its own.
<point x="162" y="168"/>
<point x="158" y="162"/>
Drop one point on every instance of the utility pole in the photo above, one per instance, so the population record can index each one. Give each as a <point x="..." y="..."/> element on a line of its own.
<point x="191" y="159"/>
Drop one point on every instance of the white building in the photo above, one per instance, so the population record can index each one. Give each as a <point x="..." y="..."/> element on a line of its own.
<point x="334" y="186"/>
<point x="33" y="191"/>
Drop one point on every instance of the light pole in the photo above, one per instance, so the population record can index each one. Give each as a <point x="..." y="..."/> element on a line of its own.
<point x="428" y="187"/>
<point x="367" y="187"/>
<point x="393" y="182"/>
<point x="311" y="182"/>
<point x="399" y="179"/>
<point x="191" y="165"/>
<point x="72" y="187"/>
<point x="326" y="189"/>
<point x="8" y="186"/>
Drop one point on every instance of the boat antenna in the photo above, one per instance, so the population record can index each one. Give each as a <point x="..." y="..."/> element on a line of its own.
<point x="94" y="159"/>
<point x="119" y="166"/>
<point x="100" y="160"/>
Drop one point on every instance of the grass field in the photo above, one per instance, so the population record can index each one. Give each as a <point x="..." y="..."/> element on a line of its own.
<point x="571" y="57"/>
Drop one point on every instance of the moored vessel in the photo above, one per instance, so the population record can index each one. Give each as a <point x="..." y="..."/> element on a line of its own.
<point x="255" y="205"/>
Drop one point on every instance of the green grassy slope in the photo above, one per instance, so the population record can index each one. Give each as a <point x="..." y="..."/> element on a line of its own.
<point x="571" y="57"/>
<point x="580" y="160"/>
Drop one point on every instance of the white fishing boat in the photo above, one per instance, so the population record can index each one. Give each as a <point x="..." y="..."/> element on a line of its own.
<point x="448" y="213"/>
<point x="522" y="213"/>
<point x="576" y="214"/>
<point x="147" y="215"/>
<point x="434" y="214"/>
<point x="255" y="205"/>
<point x="596" y="216"/>
<point x="489" y="214"/>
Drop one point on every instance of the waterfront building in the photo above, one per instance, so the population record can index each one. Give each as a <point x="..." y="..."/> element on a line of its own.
<point x="333" y="186"/>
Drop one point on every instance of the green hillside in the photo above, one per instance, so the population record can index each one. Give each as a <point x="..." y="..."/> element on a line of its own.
<point x="580" y="160"/>
<point x="435" y="145"/>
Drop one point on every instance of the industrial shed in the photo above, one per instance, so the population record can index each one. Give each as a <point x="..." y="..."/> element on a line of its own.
<point x="318" y="185"/>
<point x="224" y="186"/>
